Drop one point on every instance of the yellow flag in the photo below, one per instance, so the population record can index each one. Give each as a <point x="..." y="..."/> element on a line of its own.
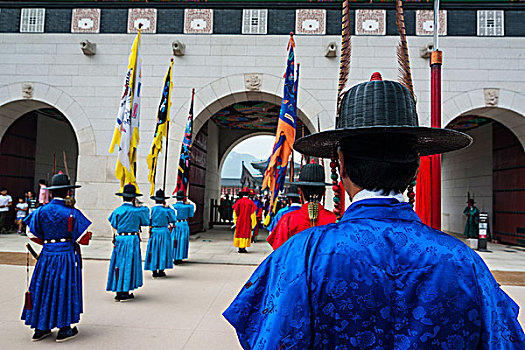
<point x="126" y="134"/>
<point x="161" y="129"/>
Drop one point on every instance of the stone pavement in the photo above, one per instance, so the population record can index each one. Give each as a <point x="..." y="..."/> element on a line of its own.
<point x="210" y="247"/>
<point x="182" y="311"/>
<point x="215" y="247"/>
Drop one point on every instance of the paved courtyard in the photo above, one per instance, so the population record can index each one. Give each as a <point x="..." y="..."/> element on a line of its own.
<point x="182" y="311"/>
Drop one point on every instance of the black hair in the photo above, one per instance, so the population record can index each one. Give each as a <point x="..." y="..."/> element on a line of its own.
<point x="294" y="199"/>
<point x="384" y="163"/>
<point x="127" y="199"/>
<point x="60" y="192"/>
<point x="312" y="193"/>
<point x="42" y="181"/>
<point x="160" y="201"/>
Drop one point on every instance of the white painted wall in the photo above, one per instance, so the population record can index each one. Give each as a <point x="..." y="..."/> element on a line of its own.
<point x="468" y="170"/>
<point x="87" y="89"/>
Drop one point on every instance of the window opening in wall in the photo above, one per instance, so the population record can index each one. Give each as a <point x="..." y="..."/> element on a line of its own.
<point x="490" y="23"/>
<point x="32" y="20"/>
<point x="254" y="21"/>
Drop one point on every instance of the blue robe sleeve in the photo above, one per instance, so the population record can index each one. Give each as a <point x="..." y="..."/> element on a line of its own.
<point x="144" y="216"/>
<point x="172" y="215"/>
<point x="33" y="223"/>
<point x="80" y="226"/>
<point x="192" y="211"/>
<point x="113" y="219"/>
<point x="272" y="311"/>
<point x="500" y="328"/>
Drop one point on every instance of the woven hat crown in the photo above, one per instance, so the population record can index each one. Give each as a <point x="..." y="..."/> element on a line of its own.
<point x="311" y="173"/>
<point x="60" y="180"/>
<point x="377" y="103"/>
<point x="129" y="189"/>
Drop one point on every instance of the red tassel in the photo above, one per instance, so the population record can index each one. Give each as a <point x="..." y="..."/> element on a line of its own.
<point x="70" y="222"/>
<point x="116" y="274"/>
<point x="174" y="243"/>
<point x="28" y="305"/>
<point x="149" y="257"/>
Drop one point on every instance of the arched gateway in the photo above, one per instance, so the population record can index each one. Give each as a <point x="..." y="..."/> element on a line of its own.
<point x="228" y="111"/>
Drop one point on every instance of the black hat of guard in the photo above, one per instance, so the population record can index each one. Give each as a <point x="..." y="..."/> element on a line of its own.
<point x="376" y="108"/>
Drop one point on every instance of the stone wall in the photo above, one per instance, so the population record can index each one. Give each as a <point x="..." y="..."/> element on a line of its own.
<point x="87" y="89"/>
<point x="468" y="170"/>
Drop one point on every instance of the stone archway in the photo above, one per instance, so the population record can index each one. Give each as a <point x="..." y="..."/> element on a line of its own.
<point x="504" y="106"/>
<point x="223" y="93"/>
<point x="491" y="171"/>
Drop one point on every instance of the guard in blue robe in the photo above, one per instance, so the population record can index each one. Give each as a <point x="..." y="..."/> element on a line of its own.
<point x="180" y="235"/>
<point x="379" y="278"/>
<point x="294" y="203"/>
<point x="125" y="267"/>
<point x="159" y="255"/>
<point x="54" y="299"/>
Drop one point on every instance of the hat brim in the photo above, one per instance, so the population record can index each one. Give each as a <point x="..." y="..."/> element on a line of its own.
<point x="155" y="198"/>
<point x="296" y="195"/>
<point x="427" y="141"/>
<point x="63" y="186"/>
<point x="179" y="197"/>
<point x="311" y="183"/>
<point x="129" y="195"/>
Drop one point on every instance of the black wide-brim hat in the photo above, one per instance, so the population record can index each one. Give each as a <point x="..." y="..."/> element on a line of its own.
<point x="129" y="191"/>
<point x="381" y="108"/>
<point x="159" y="196"/>
<point x="311" y="175"/>
<point x="61" y="181"/>
<point x="293" y="191"/>
<point x="180" y="195"/>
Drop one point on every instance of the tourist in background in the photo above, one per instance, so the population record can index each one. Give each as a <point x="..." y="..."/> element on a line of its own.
<point x="43" y="194"/>
<point x="5" y="202"/>
<point x="21" y="213"/>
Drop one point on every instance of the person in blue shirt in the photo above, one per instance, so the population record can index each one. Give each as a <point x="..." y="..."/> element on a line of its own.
<point x="54" y="298"/>
<point x="159" y="255"/>
<point x="180" y="235"/>
<point x="294" y="203"/>
<point x="379" y="278"/>
<point x="125" y="267"/>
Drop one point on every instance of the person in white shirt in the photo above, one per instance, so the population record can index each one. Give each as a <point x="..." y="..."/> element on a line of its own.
<point x="5" y="203"/>
<point x="21" y="212"/>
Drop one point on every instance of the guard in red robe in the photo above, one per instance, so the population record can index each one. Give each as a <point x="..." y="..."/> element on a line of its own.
<point x="258" y="214"/>
<point x="311" y="188"/>
<point x="244" y="216"/>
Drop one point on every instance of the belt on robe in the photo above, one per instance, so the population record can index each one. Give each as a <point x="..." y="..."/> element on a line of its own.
<point x="182" y="220"/>
<point x="59" y="240"/>
<point x="127" y="234"/>
<point x="159" y="226"/>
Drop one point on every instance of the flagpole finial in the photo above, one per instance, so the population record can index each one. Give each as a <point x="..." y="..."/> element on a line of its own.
<point x="171" y="59"/>
<point x="140" y="26"/>
<point x="291" y="34"/>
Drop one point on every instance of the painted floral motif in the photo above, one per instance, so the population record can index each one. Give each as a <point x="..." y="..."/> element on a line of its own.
<point x="425" y="22"/>
<point x="370" y="22"/>
<point x="198" y="21"/>
<point x="85" y="21"/>
<point x="146" y="17"/>
<point x="310" y="22"/>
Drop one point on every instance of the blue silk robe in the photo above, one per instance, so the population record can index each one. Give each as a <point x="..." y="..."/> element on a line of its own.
<point x="56" y="285"/>
<point x="125" y="267"/>
<point x="378" y="279"/>
<point x="159" y="255"/>
<point x="180" y="235"/>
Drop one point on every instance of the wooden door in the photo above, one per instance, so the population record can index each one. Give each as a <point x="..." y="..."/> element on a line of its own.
<point x="198" y="178"/>
<point x="17" y="156"/>
<point x="508" y="186"/>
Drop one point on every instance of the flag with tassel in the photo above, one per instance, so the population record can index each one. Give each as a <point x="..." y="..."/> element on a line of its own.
<point x="183" y="174"/>
<point x="161" y="129"/>
<point x="275" y="173"/>
<point x="126" y="134"/>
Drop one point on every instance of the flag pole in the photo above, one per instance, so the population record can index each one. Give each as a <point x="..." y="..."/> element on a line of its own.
<point x="167" y="135"/>
<point x="191" y="137"/>
<point x="436" y="59"/>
